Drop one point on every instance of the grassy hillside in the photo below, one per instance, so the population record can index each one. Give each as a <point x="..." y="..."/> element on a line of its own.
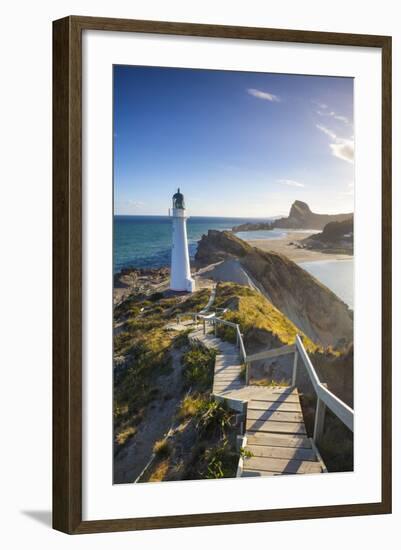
<point x="160" y="382"/>
<point x="260" y="321"/>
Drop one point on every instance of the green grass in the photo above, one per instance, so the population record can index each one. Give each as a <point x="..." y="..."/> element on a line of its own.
<point x="253" y="312"/>
<point x="198" y="368"/>
<point x="146" y="347"/>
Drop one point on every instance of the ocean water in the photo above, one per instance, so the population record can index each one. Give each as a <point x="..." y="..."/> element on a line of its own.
<point x="337" y="275"/>
<point x="145" y="241"/>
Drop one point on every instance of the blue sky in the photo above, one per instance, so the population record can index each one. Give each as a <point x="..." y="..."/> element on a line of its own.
<point x="236" y="143"/>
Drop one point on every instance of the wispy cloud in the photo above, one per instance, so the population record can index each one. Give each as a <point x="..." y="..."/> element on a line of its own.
<point x="320" y="105"/>
<point x="323" y="111"/>
<point x="260" y="94"/>
<point x="136" y="204"/>
<point x="342" y="148"/>
<point x="291" y="183"/>
<point x="326" y="131"/>
<point x="342" y="118"/>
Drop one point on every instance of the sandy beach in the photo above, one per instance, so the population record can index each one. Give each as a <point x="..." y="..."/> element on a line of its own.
<point x="284" y="245"/>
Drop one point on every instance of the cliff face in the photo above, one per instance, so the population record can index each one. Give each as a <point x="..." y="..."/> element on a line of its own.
<point x="302" y="217"/>
<point x="311" y="306"/>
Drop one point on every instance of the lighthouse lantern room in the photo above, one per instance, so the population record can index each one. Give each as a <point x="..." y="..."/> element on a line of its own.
<point x="180" y="278"/>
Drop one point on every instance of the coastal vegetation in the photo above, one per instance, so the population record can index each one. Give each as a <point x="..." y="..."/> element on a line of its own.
<point x="156" y="367"/>
<point x="167" y="426"/>
<point x="260" y="321"/>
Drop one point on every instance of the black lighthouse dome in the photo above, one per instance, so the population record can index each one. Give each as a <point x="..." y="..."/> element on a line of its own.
<point x="178" y="200"/>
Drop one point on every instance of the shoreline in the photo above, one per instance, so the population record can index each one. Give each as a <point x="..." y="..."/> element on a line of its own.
<point x="284" y="246"/>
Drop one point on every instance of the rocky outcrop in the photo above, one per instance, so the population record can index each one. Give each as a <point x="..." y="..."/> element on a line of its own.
<point x="310" y="305"/>
<point x="336" y="237"/>
<point x="261" y="226"/>
<point x="302" y="217"/>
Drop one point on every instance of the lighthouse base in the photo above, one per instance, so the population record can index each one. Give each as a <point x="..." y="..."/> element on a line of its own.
<point x="185" y="286"/>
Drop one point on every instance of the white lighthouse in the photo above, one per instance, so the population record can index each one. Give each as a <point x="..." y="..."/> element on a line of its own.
<point x="180" y="278"/>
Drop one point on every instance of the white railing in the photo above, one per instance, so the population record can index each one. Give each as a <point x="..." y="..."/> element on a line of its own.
<point x="239" y="340"/>
<point x="269" y="354"/>
<point x="325" y="398"/>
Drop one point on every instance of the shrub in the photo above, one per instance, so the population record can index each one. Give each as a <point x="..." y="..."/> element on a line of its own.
<point x="190" y="406"/>
<point x="227" y="333"/>
<point x="214" y="418"/>
<point x="198" y="368"/>
<point x="125" y="434"/>
<point x="160" y="471"/>
<point x="181" y="340"/>
<point x="162" y="448"/>
<point x="222" y="461"/>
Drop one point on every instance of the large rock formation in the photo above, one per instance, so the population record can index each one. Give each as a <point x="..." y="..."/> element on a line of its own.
<point x="336" y="237"/>
<point x="310" y="305"/>
<point x="302" y="217"/>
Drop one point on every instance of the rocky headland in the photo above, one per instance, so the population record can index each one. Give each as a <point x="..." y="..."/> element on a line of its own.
<point x="336" y="238"/>
<point x="300" y="217"/>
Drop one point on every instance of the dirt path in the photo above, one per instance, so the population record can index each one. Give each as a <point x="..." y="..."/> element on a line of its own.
<point x="159" y="417"/>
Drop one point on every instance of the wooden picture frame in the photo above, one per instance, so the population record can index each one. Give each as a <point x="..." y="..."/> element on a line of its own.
<point x="67" y="273"/>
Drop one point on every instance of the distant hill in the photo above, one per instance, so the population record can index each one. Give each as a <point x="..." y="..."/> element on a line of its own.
<point x="302" y="217"/>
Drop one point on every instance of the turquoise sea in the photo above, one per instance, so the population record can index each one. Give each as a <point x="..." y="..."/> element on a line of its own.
<point x="145" y="241"/>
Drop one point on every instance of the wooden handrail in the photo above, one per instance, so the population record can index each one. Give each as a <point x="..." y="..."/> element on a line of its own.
<point x="224" y="322"/>
<point x="325" y="396"/>
<point x="269" y="354"/>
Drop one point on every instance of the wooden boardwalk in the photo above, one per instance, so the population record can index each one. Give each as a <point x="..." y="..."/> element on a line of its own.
<point x="275" y="438"/>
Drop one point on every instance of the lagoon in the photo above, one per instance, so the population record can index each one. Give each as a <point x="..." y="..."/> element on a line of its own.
<point x="337" y="275"/>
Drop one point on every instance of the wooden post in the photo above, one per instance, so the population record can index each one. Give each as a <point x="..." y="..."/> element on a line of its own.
<point x="319" y="421"/>
<point x="204" y="326"/>
<point x="244" y="413"/>
<point x="247" y="367"/>
<point x="237" y="335"/>
<point x="294" y="369"/>
<point x="215" y="327"/>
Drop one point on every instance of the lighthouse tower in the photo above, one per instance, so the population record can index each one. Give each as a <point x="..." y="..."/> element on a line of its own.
<point x="180" y="279"/>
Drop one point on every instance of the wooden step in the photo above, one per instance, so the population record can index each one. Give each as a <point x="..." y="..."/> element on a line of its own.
<point x="292" y="453"/>
<point x="278" y="416"/>
<point x="266" y="395"/>
<point x="278" y="440"/>
<point x="275" y="427"/>
<point x="282" y="465"/>
<point x="282" y="406"/>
